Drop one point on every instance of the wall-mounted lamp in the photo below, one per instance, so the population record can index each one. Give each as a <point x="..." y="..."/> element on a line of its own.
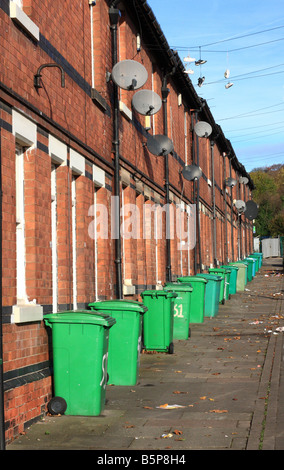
<point x="37" y="77"/>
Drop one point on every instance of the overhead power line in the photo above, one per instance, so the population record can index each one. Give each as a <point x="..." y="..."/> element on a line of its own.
<point x="242" y="36"/>
<point x="251" y="113"/>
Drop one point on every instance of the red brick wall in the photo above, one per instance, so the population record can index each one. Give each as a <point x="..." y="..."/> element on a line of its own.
<point x="70" y="115"/>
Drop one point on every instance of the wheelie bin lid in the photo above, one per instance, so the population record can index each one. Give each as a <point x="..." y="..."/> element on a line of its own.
<point x="192" y="279"/>
<point x="119" y="305"/>
<point x="218" y="270"/>
<point x="179" y="287"/>
<point x="239" y="263"/>
<point x="213" y="277"/>
<point x="159" y="293"/>
<point x="231" y="267"/>
<point x="80" y="316"/>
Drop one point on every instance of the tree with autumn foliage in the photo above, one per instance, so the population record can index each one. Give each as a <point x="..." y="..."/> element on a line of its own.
<point x="269" y="195"/>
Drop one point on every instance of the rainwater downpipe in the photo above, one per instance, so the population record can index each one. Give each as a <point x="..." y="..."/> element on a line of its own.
<point x="165" y="93"/>
<point x="2" y="416"/>
<point x="239" y="228"/>
<point x="194" y="185"/>
<point x="114" y="15"/>
<point x="245" y="226"/>
<point x="225" y="211"/>
<point x="232" y="217"/>
<point x="214" y="204"/>
<point x="197" y="204"/>
<point x="92" y="4"/>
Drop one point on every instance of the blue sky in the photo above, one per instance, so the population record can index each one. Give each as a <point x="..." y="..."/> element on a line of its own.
<point x="246" y="37"/>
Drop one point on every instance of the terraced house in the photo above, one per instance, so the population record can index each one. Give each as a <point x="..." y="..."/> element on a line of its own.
<point x="82" y="177"/>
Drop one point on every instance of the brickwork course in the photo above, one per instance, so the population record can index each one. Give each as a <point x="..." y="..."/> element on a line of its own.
<point x="59" y="151"/>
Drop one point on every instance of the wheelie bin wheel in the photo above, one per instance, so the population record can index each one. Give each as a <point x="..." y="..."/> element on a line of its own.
<point x="56" y="406"/>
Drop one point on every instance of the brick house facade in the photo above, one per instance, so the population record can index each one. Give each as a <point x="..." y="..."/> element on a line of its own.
<point x="58" y="177"/>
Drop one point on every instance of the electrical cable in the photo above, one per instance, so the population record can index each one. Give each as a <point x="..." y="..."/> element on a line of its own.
<point x="251" y="112"/>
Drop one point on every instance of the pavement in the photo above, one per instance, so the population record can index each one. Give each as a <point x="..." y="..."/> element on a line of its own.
<point x="222" y="389"/>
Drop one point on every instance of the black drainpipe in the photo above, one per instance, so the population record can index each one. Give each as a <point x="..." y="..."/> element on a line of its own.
<point x="214" y="204"/>
<point x="197" y="205"/>
<point x="165" y="93"/>
<point x="225" y="210"/>
<point x="232" y="217"/>
<point x="114" y="15"/>
<point x="2" y="418"/>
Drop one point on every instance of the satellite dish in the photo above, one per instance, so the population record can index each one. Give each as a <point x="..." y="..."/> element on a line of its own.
<point x="240" y="205"/>
<point x="146" y="102"/>
<point x="160" y="145"/>
<point x="244" y="180"/>
<point x="251" y="210"/>
<point x="191" y="172"/>
<point x="203" y="129"/>
<point x="230" y="182"/>
<point x="129" y="74"/>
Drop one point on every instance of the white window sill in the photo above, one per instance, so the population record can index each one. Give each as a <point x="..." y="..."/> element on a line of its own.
<point x="26" y="313"/>
<point x="24" y="21"/>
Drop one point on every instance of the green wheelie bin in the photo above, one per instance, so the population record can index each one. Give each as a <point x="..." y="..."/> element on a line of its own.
<point x="233" y="278"/>
<point x="253" y="260"/>
<point x="250" y="268"/>
<point x="158" y="321"/>
<point x="246" y="263"/>
<point x="212" y="294"/>
<point x="182" y="305"/>
<point x="197" y="297"/>
<point x="125" y="339"/>
<point x="259" y="256"/>
<point x="224" y="291"/>
<point x="258" y="260"/>
<point x="80" y="353"/>
<point x="241" y="277"/>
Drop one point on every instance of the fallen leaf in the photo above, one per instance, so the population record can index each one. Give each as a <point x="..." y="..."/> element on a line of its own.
<point x="176" y="431"/>
<point x="148" y="407"/>
<point x="218" y="411"/>
<point x="178" y="392"/>
<point x="170" y="407"/>
<point x="202" y="398"/>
